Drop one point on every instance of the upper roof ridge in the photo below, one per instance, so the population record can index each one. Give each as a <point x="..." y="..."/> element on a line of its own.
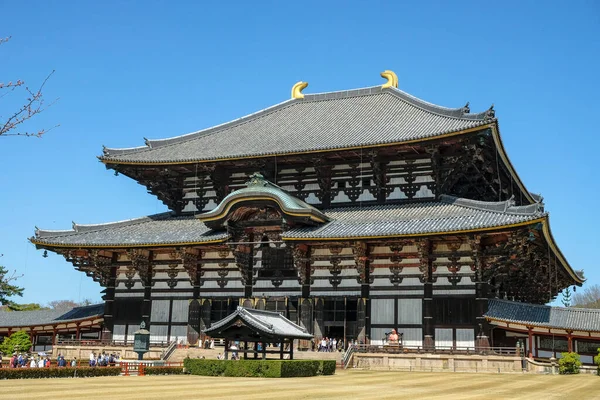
<point x="79" y="228"/>
<point x="155" y="143"/>
<point x="462" y="113"/>
<point x="506" y="207"/>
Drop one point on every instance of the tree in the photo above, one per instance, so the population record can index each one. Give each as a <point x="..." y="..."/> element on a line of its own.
<point x="569" y="363"/>
<point x="63" y="304"/>
<point x="23" y="307"/>
<point x="17" y="342"/>
<point x="588" y="298"/>
<point x="33" y="103"/>
<point x="566" y="297"/>
<point x="7" y="289"/>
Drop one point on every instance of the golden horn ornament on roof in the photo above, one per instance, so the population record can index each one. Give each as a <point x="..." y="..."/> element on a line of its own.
<point x="297" y="90"/>
<point x="392" y="79"/>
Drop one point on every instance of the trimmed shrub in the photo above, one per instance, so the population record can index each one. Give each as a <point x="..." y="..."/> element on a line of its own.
<point x="327" y="367"/>
<point x="204" y="367"/>
<point x="81" y="372"/>
<point x="259" y="368"/>
<point x="163" y="370"/>
<point x="569" y="363"/>
<point x="294" y="368"/>
<point x="254" y="368"/>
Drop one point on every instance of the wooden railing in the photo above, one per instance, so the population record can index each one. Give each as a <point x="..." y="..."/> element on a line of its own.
<point x="391" y="348"/>
<point x="112" y="343"/>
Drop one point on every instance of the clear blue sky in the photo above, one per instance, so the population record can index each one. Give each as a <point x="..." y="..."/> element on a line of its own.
<point x="127" y="70"/>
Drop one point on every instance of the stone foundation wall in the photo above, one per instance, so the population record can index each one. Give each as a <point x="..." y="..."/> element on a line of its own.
<point x="83" y="352"/>
<point x="438" y="362"/>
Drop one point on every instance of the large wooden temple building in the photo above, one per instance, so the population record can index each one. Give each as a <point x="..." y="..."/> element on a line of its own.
<point x="352" y="213"/>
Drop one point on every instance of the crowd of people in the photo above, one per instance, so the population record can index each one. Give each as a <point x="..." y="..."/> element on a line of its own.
<point x="42" y="360"/>
<point x="330" y="345"/>
<point x="25" y="360"/>
<point x="103" y="359"/>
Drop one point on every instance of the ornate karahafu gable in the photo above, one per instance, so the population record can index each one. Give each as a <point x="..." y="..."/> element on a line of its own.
<point x="242" y="205"/>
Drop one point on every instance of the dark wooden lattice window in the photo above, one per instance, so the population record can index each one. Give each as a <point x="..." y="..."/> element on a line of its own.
<point x="334" y="310"/>
<point x="222" y="308"/>
<point x="556" y="344"/>
<point x="449" y="311"/>
<point x="128" y="310"/>
<point x="277" y="263"/>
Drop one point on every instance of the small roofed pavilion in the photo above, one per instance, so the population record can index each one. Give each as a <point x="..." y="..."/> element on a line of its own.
<point x="253" y="326"/>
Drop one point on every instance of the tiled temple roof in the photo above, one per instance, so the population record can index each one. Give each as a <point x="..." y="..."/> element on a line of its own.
<point x="450" y="214"/>
<point x="158" y="229"/>
<point x="49" y="317"/>
<point x="268" y="323"/>
<point x="336" y="120"/>
<point x="571" y="318"/>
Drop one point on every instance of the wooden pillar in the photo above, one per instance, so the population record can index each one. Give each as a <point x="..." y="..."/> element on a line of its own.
<point x="245" y="350"/>
<point x="570" y="341"/>
<point x="78" y="332"/>
<point x="292" y="350"/>
<point x="255" y="350"/>
<point x="530" y="341"/>
<point x="226" y="354"/>
<point x="281" y="349"/>
<point x="147" y="304"/>
<point x="426" y="268"/>
<point x="264" y="351"/>
<point x="54" y="332"/>
<point x="109" y="301"/>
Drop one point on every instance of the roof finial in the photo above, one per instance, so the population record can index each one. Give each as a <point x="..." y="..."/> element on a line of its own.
<point x="466" y="108"/>
<point x="391" y="77"/>
<point x="490" y="113"/>
<point x="297" y="90"/>
<point x="256" y="179"/>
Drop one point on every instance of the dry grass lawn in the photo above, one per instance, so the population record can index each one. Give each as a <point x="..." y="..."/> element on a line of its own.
<point x="344" y="385"/>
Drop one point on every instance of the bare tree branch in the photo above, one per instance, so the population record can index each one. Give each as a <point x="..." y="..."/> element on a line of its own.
<point x="34" y="104"/>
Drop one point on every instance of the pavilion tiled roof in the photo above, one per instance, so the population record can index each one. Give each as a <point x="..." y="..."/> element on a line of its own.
<point x="10" y="319"/>
<point x="450" y="214"/>
<point x="269" y="323"/>
<point x="336" y="120"/>
<point x="571" y="318"/>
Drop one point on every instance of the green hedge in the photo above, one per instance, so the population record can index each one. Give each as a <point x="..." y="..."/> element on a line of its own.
<point x="163" y="370"/>
<point x="82" y="372"/>
<point x="327" y="367"/>
<point x="259" y="368"/>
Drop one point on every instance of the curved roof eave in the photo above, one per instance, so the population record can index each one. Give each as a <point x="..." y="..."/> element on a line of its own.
<point x="556" y="250"/>
<point x="504" y="156"/>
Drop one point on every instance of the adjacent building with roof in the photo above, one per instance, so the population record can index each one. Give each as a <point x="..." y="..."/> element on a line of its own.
<point x="350" y="212"/>
<point x="46" y="327"/>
